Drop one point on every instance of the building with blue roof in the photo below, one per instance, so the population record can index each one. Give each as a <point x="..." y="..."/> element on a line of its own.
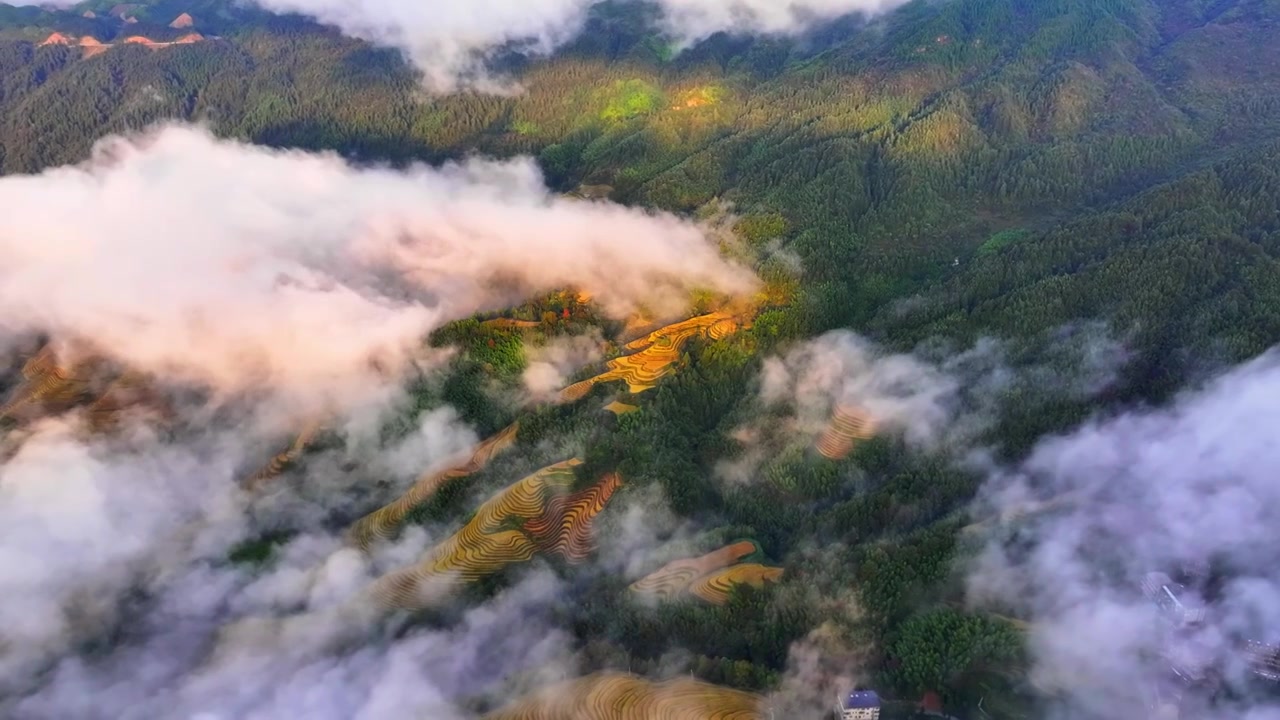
<point x="860" y="705"/>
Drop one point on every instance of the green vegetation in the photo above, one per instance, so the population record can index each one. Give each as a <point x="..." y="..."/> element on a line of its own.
<point x="524" y="127"/>
<point x="630" y="99"/>
<point x="258" y="550"/>
<point x="946" y="649"/>
<point x="1001" y="240"/>
<point x="1082" y="160"/>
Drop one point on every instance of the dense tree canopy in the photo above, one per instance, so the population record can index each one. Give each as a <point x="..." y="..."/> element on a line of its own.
<point x="958" y="170"/>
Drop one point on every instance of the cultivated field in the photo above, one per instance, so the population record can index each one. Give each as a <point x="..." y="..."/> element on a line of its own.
<point x="54" y="382"/>
<point x="653" y="355"/>
<point x="383" y="523"/>
<point x="281" y="462"/>
<point x="130" y="390"/>
<point x="710" y="577"/>
<point x="848" y="426"/>
<point x="48" y="381"/>
<point x="619" y="696"/>
<point x="675" y="578"/>
<point x="716" y="587"/>
<point x="536" y="515"/>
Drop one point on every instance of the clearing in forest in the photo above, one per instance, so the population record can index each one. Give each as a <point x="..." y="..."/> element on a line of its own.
<point x="620" y="408"/>
<point x="504" y="323"/>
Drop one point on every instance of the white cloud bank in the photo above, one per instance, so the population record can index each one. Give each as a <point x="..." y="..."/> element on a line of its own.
<point x="240" y="267"/>
<point x="450" y="41"/>
<point x="277" y="278"/>
<point x="1146" y="492"/>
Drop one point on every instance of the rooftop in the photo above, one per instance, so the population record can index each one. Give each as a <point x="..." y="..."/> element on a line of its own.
<point x="860" y="699"/>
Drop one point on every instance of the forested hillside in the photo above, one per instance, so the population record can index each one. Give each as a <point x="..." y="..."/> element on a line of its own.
<point x="1045" y="178"/>
<point x="881" y="155"/>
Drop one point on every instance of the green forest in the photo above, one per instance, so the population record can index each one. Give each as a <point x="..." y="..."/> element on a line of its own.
<point x="950" y="172"/>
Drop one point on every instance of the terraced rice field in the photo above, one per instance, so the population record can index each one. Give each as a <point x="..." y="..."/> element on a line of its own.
<point x="130" y="390"/>
<point x="716" y="587"/>
<point x="653" y="355"/>
<point x="383" y="523"/>
<point x="535" y="515"/>
<point x="52" y="383"/>
<point x="281" y="462"/>
<point x="674" y="579"/>
<point x="848" y="426"/>
<point x="48" y="380"/>
<point x="619" y="696"/>
<point x="716" y="325"/>
<point x="565" y="527"/>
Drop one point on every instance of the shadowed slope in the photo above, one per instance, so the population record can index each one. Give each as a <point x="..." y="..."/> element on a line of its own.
<point x="127" y="392"/>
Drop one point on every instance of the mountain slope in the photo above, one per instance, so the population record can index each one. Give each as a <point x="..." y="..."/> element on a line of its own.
<point x="946" y="174"/>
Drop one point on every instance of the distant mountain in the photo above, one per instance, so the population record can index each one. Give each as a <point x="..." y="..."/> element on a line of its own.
<point x="890" y="153"/>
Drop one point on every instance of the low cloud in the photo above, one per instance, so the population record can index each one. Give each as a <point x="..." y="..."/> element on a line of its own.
<point x="1189" y="491"/>
<point x="801" y="390"/>
<point x="937" y="398"/>
<point x="901" y="392"/>
<point x="284" y="285"/>
<point x="122" y="603"/>
<point x="329" y="663"/>
<point x="692" y="20"/>
<point x="439" y="433"/>
<point x="246" y="269"/>
<point x="641" y="533"/>
<point x="451" y="42"/>
<point x="551" y="365"/>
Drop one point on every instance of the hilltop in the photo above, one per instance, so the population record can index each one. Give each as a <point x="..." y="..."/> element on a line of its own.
<point x="92" y="46"/>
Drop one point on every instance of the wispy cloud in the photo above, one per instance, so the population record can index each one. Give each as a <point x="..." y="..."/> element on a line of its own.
<point x="240" y="268"/>
<point x="450" y="42"/>
<point x="1145" y="491"/>
<point x="551" y="365"/>
<point x="290" y="283"/>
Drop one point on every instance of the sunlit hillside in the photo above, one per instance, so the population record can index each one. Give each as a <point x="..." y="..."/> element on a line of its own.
<point x="639" y="359"/>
